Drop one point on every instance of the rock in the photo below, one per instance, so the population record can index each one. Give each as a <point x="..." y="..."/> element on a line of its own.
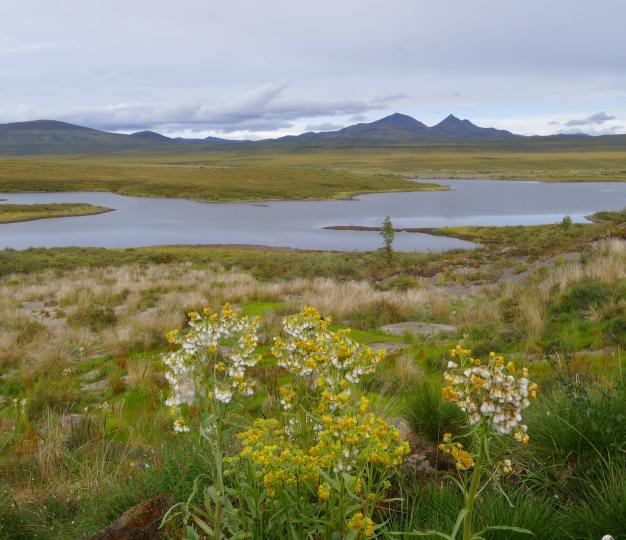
<point x="91" y="376"/>
<point x="70" y="421"/>
<point x="418" y="328"/>
<point x="140" y="522"/>
<point x="95" y="387"/>
<point x="33" y="306"/>
<point x="389" y="347"/>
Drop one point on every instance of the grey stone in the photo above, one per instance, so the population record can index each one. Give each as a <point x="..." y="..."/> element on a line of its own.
<point x="418" y="328"/>
<point x="71" y="421"/>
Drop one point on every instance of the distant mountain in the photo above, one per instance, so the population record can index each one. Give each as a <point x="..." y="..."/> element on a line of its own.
<point x="454" y="128"/>
<point x="393" y="128"/>
<point x="403" y="128"/>
<point x="53" y="137"/>
<point x="152" y="136"/>
<point x="205" y="140"/>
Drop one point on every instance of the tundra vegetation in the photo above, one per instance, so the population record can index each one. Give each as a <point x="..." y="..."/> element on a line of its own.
<point x="479" y="393"/>
<point x="10" y="213"/>
<point x="312" y="172"/>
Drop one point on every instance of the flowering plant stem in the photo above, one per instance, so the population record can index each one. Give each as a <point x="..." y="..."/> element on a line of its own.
<point x="470" y="497"/>
<point x="219" y="477"/>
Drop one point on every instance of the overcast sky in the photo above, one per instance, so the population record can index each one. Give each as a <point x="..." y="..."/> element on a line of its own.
<point x="264" y="68"/>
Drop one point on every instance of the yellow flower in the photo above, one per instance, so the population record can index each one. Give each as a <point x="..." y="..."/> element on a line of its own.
<point x="360" y="523"/>
<point x="323" y="492"/>
<point x="356" y="522"/>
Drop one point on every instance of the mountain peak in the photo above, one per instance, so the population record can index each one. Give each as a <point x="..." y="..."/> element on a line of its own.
<point x="150" y="136"/>
<point x="452" y="120"/>
<point x="399" y="121"/>
<point x="453" y="127"/>
<point x="395" y="117"/>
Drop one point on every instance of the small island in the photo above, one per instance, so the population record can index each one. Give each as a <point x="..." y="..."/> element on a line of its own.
<point x="12" y="213"/>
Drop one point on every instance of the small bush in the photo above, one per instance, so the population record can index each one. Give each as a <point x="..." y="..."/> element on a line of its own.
<point x="603" y="507"/>
<point x="94" y="316"/>
<point x="58" y="397"/>
<point x="430" y="415"/>
<point x="579" y="420"/>
<point x="378" y="314"/>
<point x="582" y="296"/>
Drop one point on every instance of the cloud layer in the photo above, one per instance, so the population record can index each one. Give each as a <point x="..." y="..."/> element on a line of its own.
<point x="249" y="68"/>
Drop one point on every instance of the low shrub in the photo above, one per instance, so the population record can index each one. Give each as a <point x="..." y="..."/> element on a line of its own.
<point x="428" y="414"/>
<point x="579" y="421"/>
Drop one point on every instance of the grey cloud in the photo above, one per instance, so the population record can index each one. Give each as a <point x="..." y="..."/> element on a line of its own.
<point x="612" y="130"/>
<point x="264" y="108"/>
<point x="188" y="64"/>
<point x="325" y="126"/>
<point x="597" y="118"/>
<point x="357" y="118"/>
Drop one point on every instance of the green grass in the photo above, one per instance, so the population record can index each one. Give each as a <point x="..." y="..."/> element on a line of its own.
<point x="11" y="213"/>
<point x="145" y="176"/>
<point x="263" y="263"/>
<point x="266" y="172"/>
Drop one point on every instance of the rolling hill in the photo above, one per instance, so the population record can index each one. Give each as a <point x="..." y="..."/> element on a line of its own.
<point x="54" y="137"/>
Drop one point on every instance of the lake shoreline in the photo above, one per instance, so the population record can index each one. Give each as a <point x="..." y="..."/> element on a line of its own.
<point x="94" y="211"/>
<point x="434" y="219"/>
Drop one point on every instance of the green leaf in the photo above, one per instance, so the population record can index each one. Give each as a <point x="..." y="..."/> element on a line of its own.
<point x="458" y="523"/>
<point x="506" y="528"/>
<point x="428" y="533"/>
<point x="191" y="534"/>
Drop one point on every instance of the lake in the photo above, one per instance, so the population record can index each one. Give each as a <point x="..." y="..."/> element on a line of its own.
<point x="145" y="221"/>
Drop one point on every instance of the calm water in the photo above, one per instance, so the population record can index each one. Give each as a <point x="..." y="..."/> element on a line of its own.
<point x="139" y="221"/>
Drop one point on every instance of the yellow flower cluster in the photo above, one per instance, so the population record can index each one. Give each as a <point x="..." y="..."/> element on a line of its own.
<point x="348" y="442"/>
<point x="361" y="524"/>
<point x="463" y="458"/>
<point x="282" y="463"/>
<point x="210" y="359"/>
<point x="491" y="391"/>
<point x="327" y="362"/>
<point x="345" y="444"/>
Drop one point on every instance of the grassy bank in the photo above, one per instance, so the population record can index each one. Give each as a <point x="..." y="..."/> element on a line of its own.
<point x="11" y="213"/>
<point x="220" y="181"/>
<point x="298" y="173"/>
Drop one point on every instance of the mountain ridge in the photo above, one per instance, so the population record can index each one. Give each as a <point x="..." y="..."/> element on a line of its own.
<point x="38" y="137"/>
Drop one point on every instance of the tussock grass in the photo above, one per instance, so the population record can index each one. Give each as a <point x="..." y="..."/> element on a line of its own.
<point x="50" y="321"/>
<point x="568" y="307"/>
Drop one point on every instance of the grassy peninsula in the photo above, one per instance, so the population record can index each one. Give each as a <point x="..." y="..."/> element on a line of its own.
<point x="11" y="213"/>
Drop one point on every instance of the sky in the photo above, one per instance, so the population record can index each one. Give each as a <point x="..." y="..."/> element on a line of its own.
<point x="257" y="69"/>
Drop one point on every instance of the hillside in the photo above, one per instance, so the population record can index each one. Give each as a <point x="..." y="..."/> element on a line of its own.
<point x="54" y="137"/>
